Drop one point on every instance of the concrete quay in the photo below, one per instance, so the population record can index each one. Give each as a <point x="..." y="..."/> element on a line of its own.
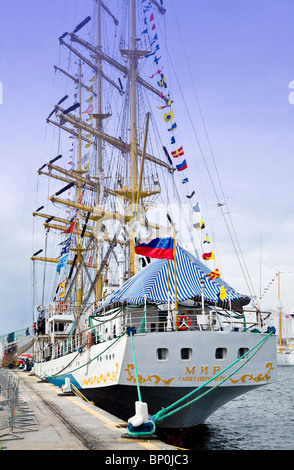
<point x="67" y="422"/>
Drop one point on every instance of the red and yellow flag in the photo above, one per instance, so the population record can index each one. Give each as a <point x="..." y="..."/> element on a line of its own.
<point x="214" y="274"/>
<point x="208" y="256"/>
<point x="178" y="153"/>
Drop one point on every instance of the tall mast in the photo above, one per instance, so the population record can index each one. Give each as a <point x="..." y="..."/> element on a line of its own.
<point x="99" y="126"/>
<point x="133" y="54"/>
<point x="99" y="100"/>
<point x="133" y="92"/>
<point x="133" y="119"/>
<point x="79" y="249"/>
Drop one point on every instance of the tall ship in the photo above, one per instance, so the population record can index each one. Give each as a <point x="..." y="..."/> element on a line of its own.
<point x="130" y="307"/>
<point x="285" y="348"/>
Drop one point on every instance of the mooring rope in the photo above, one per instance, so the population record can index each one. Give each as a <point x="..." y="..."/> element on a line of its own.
<point x="162" y="414"/>
<point x="168" y="411"/>
<point x="135" y="364"/>
<point x="79" y="393"/>
<point x="86" y="363"/>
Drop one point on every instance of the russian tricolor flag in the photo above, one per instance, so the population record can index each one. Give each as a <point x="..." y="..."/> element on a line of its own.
<point x="160" y="248"/>
<point x="182" y="166"/>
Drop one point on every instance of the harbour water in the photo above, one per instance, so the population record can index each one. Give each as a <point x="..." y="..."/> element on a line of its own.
<point x="259" y="420"/>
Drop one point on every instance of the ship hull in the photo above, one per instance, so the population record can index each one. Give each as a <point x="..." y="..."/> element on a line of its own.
<point x="119" y="400"/>
<point x="285" y="358"/>
<point x="106" y="374"/>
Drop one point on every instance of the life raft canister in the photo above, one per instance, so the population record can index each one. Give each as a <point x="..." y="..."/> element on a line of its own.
<point x="183" y="322"/>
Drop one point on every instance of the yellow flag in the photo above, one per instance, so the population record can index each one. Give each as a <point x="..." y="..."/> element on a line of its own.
<point x="89" y="136"/>
<point x="91" y="88"/>
<point x="222" y="294"/>
<point x="87" y="166"/>
<point x="169" y="116"/>
<point x="206" y="239"/>
<point x="62" y="289"/>
<point x="88" y="145"/>
<point x="89" y="100"/>
<point x="92" y="79"/>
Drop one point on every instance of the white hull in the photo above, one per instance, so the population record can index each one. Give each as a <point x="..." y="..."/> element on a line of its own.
<point x="105" y="372"/>
<point x="285" y="358"/>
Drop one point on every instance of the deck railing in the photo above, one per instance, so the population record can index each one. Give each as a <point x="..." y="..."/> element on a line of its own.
<point x="114" y="324"/>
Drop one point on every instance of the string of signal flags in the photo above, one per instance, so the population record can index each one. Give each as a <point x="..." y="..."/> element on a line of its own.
<point x="169" y="117"/>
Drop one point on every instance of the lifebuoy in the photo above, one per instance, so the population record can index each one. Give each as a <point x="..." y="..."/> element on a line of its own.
<point x="183" y="322"/>
<point x="89" y="339"/>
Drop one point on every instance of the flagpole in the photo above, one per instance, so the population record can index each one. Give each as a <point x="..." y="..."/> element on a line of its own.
<point x="169" y="319"/>
<point x="79" y="281"/>
<point x="168" y="302"/>
<point x="175" y="270"/>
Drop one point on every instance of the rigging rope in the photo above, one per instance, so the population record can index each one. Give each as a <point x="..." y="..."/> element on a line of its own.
<point x="243" y="269"/>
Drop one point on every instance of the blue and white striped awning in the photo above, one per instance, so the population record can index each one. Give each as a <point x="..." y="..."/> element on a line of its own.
<point x="151" y="283"/>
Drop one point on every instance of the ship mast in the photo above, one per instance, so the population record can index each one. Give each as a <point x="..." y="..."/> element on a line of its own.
<point x="133" y="93"/>
<point x="134" y="139"/>
<point x="135" y="191"/>
<point x="99" y="118"/>
<point x="133" y="54"/>
<point x="79" y="289"/>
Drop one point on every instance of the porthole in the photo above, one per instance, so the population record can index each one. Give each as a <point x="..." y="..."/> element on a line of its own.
<point x="186" y="354"/>
<point x="220" y="353"/>
<point x="242" y="352"/>
<point x="162" y="354"/>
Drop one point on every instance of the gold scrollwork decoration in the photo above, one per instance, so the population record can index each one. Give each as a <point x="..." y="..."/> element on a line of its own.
<point x="109" y="377"/>
<point x="259" y="378"/>
<point x="151" y="378"/>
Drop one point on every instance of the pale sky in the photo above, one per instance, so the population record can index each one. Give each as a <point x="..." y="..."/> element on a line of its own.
<point x="241" y="57"/>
